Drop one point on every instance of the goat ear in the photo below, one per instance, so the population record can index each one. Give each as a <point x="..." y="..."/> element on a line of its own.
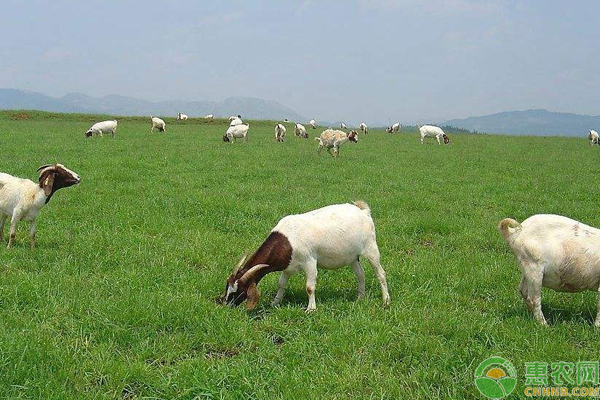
<point x="252" y="295"/>
<point x="48" y="183"/>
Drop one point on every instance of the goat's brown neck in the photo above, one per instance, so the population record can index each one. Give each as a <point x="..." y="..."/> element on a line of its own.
<point x="276" y="252"/>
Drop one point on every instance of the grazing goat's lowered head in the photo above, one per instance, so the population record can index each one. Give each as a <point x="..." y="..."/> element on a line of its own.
<point x="353" y="136"/>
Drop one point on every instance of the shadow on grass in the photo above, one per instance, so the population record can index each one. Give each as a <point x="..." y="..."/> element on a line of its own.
<point x="555" y="313"/>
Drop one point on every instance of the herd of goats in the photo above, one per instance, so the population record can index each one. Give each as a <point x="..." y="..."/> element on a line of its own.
<point x="552" y="251"/>
<point x="330" y="139"/>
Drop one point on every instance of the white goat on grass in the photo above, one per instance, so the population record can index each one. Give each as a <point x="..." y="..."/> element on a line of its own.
<point x="329" y="238"/>
<point x="556" y="252"/>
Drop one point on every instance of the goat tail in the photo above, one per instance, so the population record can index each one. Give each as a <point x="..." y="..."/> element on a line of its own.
<point x="509" y="227"/>
<point x="362" y="205"/>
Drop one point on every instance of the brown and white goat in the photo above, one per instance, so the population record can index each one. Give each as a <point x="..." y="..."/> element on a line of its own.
<point x="332" y="139"/>
<point x="22" y="199"/>
<point x="330" y="237"/>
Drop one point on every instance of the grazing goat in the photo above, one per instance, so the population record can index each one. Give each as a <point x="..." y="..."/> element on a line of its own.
<point x="236" y="132"/>
<point x="300" y="131"/>
<point x="100" y="128"/>
<point x="593" y="137"/>
<point x="279" y="132"/>
<point x="394" y="128"/>
<point x="556" y="252"/>
<point x="343" y="126"/>
<point x="22" y="199"/>
<point x="313" y="123"/>
<point x="332" y="139"/>
<point x="363" y="128"/>
<point x="181" y="116"/>
<point x="330" y="238"/>
<point x="434" y="132"/>
<point x="158" y="124"/>
<point x="209" y="117"/>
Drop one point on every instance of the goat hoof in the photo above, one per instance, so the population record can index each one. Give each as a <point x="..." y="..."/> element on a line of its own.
<point x="310" y="310"/>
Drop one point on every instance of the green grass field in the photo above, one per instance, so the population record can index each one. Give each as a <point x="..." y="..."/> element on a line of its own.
<point x="118" y="298"/>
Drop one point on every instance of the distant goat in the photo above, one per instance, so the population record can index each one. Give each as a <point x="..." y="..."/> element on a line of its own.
<point x="343" y="126"/>
<point x="209" y="117"/>
<point x="158" y="124"/>
<point x="329" y="238"/>
<point x="593" y="137"/>
<point x="394" y="128"/>
<point x="363" y="128"/>
<point x="100" y="128"/>
<point x="236" y="132"/>
<point x="280" y="132"/>
<point x="332" y="140"/>
<point x="313" y="123"/>
<point x="181" y="116"/>
<point x="22" y="199"/>
<point x="433" y="132"/>
<point x="300" y="131"/>
<point x="233" y="121"/>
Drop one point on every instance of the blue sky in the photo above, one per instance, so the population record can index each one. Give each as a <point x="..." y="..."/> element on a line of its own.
<point x="372" y="60"/>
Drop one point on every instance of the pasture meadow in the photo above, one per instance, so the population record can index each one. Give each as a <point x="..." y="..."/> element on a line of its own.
<point x="118" y="298"/>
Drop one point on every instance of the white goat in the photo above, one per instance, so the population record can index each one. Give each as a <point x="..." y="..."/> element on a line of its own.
<point x="158" y="124"/>
<point x="100" y="128"/>
<point x="593" y="137"/>
<point x="300" y="131"/>
<point x="332" y="139"/>
<point x="22" y="199"/>
<point x="280" y="132"/>
<point x="235" y="121"/>
<point x="209" y="117"/>
<point x="236" y="132"/>
<point x="313" y="123"/>
<point x="394" y="128"/>
<point x="181" y="116"/>
<point x="556" y="252"/>
<point x="434" y="132"/>
<point x="363" y="128"/>
<point x="343" y="126"/>
<point x="330" y="238"/>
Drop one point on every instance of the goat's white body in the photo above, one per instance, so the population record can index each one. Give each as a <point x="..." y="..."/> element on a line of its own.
<point x="593" y="137"/>
<point x="209" y="116"/>
<point x="343" y="126"/>
<point x="300" y="130"/>
<point x="235" y="121"/>
<point x="313" y="123"/>
<point x="431" y="131"/>
<point x="330" y="237"/>
<point x="556" y="252"/>
<point x="182" y="117"/>
<point x="363" y="128"/>
<point x="331" y="139"/>
<point x="238" y="132"/>
<point x="396" y="127"/>
<point x="157" y="123"/>
<point x="280" y="132"/>
<point x="20" y="197"/>
<point x="100" y="128"/>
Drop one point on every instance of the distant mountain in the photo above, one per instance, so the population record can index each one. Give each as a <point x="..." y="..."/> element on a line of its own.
<point x="530" y="122"/>
<point x="248" y="107"/>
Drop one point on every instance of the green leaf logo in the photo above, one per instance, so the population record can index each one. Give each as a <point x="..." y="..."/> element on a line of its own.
<point x="496" y="378"/>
